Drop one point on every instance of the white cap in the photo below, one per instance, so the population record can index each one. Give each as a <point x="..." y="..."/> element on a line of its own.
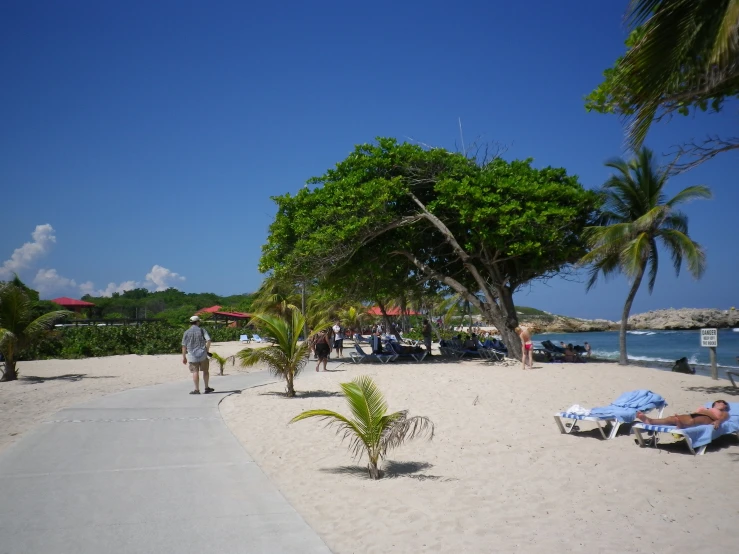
<point x="194" y="318"/>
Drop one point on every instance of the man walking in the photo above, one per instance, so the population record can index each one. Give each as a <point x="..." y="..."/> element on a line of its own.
<point x="195" y="347"/>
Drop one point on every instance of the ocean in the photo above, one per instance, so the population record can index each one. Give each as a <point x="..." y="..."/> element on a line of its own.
<point x="655" y="348"/>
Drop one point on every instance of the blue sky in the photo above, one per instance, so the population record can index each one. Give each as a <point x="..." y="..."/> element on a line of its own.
<point x="149" y="136"/>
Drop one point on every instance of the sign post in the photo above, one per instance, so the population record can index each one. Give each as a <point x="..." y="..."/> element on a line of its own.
<point x="709" y="339"/>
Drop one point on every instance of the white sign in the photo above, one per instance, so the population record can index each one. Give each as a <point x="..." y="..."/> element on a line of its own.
<point x="709" y="337"/>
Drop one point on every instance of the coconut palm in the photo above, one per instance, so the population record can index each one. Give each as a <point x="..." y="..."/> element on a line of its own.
<point x="287" y="357"/>
<point x="635" y="217"/>
<point x="686" y="51"/>
<point x="18" y="326"/>
<point x="221" y="361"/>
<point x="371" y="430"/>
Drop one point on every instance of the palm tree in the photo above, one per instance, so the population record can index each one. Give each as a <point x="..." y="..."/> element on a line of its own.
<point x="371" y="430"/>
<point x="634" y="218"/>
<point x="286" y="358"/>
<point x="686" y="50"/>
<point x="221" y="361"/>
<point x="18" y="326"/>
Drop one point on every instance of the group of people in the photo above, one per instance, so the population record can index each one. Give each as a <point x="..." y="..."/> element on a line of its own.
<point x="324" y="341"/>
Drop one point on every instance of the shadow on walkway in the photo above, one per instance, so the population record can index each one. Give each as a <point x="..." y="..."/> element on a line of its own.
<point x="33" y="379"/>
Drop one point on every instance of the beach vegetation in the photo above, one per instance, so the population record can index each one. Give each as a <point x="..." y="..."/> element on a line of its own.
<point x="635" y="219"/>
<point x="20" y="326"/>
<point x="287" y="356"/>
<point x="371" y="430"/>
<point x="222" y="361"/>
<point x="396" y="217"/>
<point x="682" y="57"/>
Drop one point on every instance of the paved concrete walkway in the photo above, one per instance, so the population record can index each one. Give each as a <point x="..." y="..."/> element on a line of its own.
<point x="146" y="470"/>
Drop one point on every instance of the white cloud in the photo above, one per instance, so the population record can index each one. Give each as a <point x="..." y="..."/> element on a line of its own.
<point x="23" y="257"/>
<point x="48" y="282"/>
<point x="161" y="278"/>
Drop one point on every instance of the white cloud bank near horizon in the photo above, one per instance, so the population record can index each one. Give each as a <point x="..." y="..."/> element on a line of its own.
<point x="50" y="283"/>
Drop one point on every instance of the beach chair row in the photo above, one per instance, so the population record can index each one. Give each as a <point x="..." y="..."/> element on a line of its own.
<point x="360" y="356"/>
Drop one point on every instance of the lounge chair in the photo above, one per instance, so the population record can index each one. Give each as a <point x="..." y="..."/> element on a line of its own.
<point x="360" y="356"/>
<point x="359" y="338"/>
<point x="398" y="349"/>
<point x="622" y="410"/>
<point x="696" y="438"/>
<point x="257" y="338"/>
<point x="244" y="338"/>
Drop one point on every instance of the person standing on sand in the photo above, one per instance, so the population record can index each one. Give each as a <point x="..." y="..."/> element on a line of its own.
<point x="323" y="348"/>
<point x="426" y="332"/>
<point x="195" y="347"/>
<point x="527" y="347"/>
<point x="338" y="339"/>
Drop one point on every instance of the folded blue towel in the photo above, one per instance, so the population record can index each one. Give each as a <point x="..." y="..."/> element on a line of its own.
<point x="704" y="434"/>
<point x="624" y="408"/>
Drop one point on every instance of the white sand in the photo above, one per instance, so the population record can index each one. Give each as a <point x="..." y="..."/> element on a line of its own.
<point x="498" y="476"/>
<point x="47" y="386"/>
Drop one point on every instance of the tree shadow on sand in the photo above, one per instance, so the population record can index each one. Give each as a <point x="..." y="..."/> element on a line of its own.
<point x="717" y="390"/>
<point x="305" y="394"/>
<point x="72" y="377"/>
<point x="390" y="470"/>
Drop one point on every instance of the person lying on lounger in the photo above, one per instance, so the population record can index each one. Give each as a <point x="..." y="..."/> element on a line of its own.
<point x="715" y="415"/>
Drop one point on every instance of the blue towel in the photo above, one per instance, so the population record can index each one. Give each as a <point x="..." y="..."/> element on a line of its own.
<point x="703" y="434"/>
<point x="624" y="408"/>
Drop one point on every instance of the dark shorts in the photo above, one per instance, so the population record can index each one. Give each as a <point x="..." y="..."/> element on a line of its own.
<point x="339" y="343"/>
<point x="322" y="350"/>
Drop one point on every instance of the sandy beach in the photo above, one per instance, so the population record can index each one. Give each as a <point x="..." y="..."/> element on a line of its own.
<point x="47" y="386"/>
<point x="498" y="476"/>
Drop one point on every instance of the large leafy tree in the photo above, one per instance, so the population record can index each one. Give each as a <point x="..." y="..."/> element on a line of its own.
<point x="371" y="430"/>
<point x="20" y="325"/>
<point x="636" y="217"/>
<point x="394" y="213"/>
<point x="682" y="56"/>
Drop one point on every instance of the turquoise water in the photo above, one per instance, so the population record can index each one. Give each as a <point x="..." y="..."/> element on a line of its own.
<point x="654" y="347"/>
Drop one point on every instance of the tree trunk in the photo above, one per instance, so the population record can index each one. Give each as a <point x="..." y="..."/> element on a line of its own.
<point x="623" y="358"/>
<point x="373" y="470"/>
<point x="11" y="373"/>
<point x="290" y="387"/>
<point x="385" y="317"/>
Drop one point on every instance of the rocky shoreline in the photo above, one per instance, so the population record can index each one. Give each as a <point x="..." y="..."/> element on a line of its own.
<point x="657" y="320"/>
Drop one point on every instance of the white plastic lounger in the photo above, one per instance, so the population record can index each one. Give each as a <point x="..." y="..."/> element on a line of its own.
<point x="244" y="338"/>
<point x="640" y="428"/>
<point x="559" y="418"/>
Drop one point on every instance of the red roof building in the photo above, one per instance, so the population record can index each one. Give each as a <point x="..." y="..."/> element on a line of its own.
<point x="394" y="312"/>
<point x="211" y="310"/>
<point x="72" y="304"/>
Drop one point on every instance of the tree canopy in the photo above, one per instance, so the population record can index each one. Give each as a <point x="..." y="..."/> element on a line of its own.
<point x="396" y="215"/>
<point x="682" y="56"/>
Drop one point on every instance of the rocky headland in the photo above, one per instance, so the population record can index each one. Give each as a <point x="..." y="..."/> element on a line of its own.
<point x="672" y="319"/>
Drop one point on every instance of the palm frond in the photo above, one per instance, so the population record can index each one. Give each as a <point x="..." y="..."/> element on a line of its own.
<point x="694" y="192"/>
<point x="46" y="322"/>
<point x="399" y="428"/>
<point x="349" y="430"/>
<point x="682" y="247"/>
<point x="653" y="262"/>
